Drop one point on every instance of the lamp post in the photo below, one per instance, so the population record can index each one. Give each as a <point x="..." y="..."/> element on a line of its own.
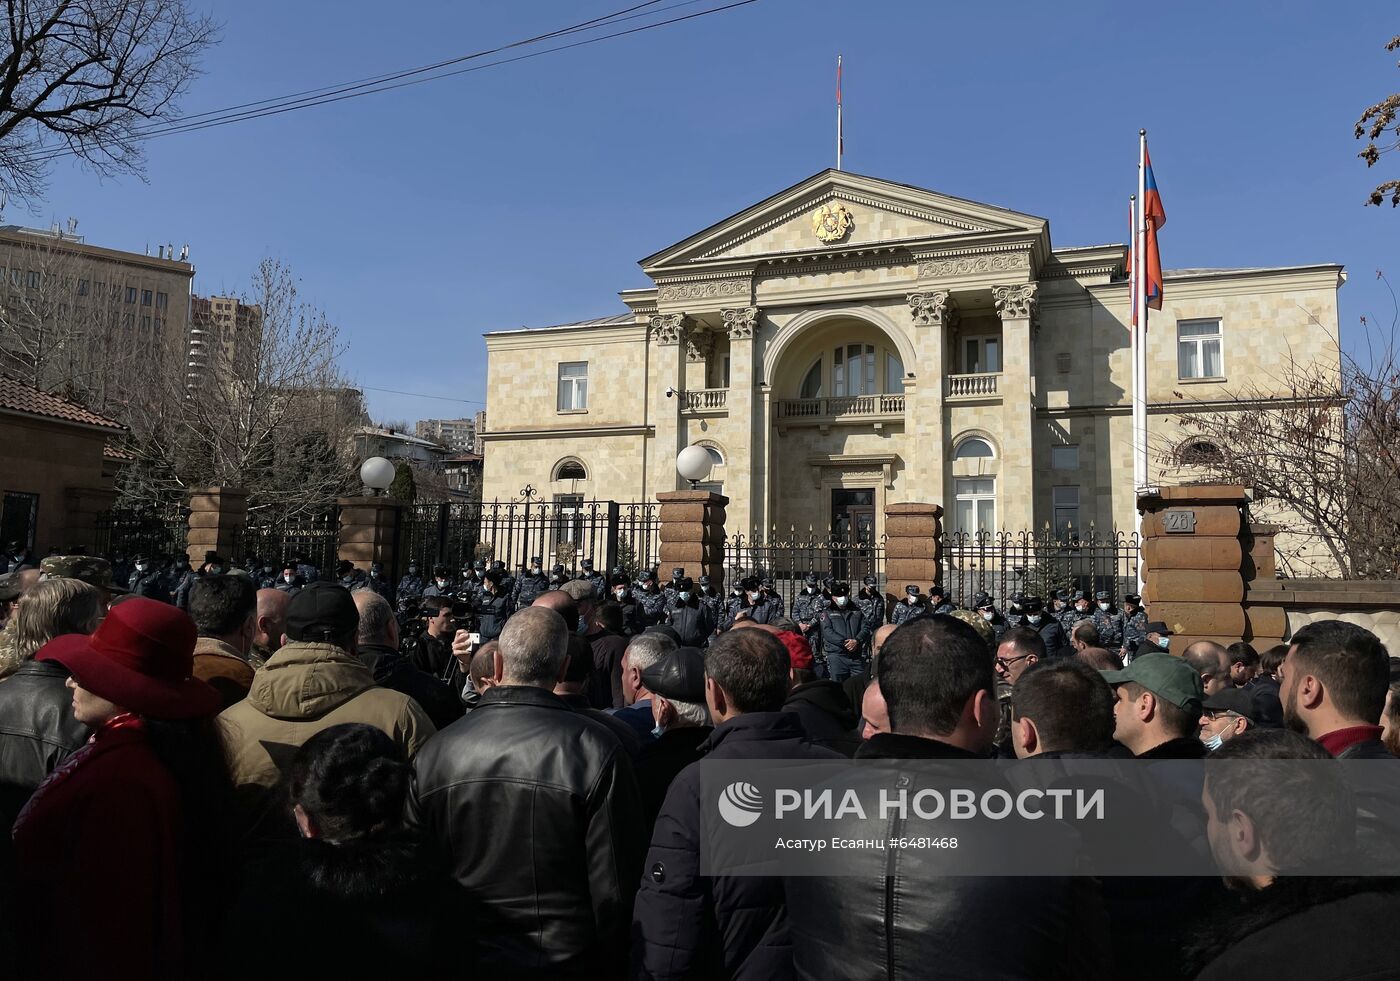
<point x="376" y="474"/>
<point x="694" y="464"/>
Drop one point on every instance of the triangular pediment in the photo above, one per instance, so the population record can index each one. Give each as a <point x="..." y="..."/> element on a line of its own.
<point x="877" y="212"/>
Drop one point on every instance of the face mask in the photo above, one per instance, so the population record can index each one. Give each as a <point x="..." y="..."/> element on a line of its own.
<point x="1083" y="609"/>
<point x="911" y="600"/>
<point x="1164" y="642"/>
<point x="441" y="583"/>
<point x="1215" y="742"/>
<point x="753" y="597"/>
<point x="685" y="597"/>
<point x="374" y="573"/>
<point x="738" y="592"/>
<point x="988" y="614"/>
<point x="1016" y="607"/>
<point x="413" y="570"/>
<point x="620" y="593"/>
<point x="1034" y="618"/>
<point x="215" y="570"/>
<point x="811" y="590"/>
<point x="657" y="730"/>
<point x="840" y="601"/>
<point x="1104" y="607"/>
<point x="288" y="578"/>
<point x="534" y="570"/>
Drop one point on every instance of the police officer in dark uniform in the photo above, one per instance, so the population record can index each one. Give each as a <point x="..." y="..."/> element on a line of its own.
<point x="938" y="601"/>
<point x="711" y="598"/>
<point x="773" y="598"/>
<point x="290" y="581"/>
<point x="441" y="585"/>
<point x="845" y="635"/>
<point x="1016" y="610"/>
<point x="348" y="576"/>
<point x="911" y="606"/>
<point x="1047" y="626"/>
<point x="507" y="580"/>
<point x="557" y="577"/>
<point x="673" y="587"/>
<point x="595" y="579"/>
<point x="1107" y="620"/>
<point x="410" y="587"/>
<point x="757" y="606"/>
<point x="469" y="583"/>
<point x="1134" y="625"/>
<point x="652" y="601"/>
<point x="379" y="582"/>
<point x="988" y="611"/>
<point x="1059" y="605"/>
<point x="621" y="594"/>
<point x="806" y="613"/>
<point x="733" y="604"/>
<point x="146" y="580"/>
<point x="530" y="585"/>
<point x="870" y="600"/>
<point x="689" y="617"/>
<point x="1079" y="609"/>
<point x="492" y="606"/>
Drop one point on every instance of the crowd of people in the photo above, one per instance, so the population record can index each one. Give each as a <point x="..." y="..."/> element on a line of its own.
<point x="515" y="789"/>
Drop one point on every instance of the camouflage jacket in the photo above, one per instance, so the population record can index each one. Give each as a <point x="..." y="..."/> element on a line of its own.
<point x="1109" y="624"/>
<point x="872" y="608"/>
<point x="905" y="611"/>
<point x="1134" y="630"/>
<point x="528" y="588"/>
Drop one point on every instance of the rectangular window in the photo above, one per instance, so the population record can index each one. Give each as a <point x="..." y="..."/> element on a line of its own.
<point x="894" y="374"/>
<point x="83" y="287"/>
<point x="982" y="355"/>
<point x="131" y="294"/>
<point x="1198" y="349"/>
<point x="146" y="297"/>
<point x="1064" y="457"/>
<point x="33" y="280"/>
<point x="146" y="322"/>
<point x="1066" y="504"/>
<point x="162" y="300"/>
<point x="853" y="371"/>
<point x="976" y="504"/>
<point x="573" y="386"/>
<point x="16" y="276"/>
<point x="725" y="379"/>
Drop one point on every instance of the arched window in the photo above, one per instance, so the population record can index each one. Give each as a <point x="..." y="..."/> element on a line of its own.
<point x="570" y="470"/>
<point x="715" y="456"/>
<point x="1200" y="453"/>
<point x="812" y="384"/>
<point x="974" y="448"/>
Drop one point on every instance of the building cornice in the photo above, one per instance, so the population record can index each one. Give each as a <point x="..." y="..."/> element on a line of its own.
<point x="524" y="340"/>
<point x="1328" y="275"/>
<point x="645" y="429"/>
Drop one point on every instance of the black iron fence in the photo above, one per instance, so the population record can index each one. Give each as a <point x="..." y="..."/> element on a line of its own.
<point x="1034" y="563"/>
<point x="788" y="559"/>
<point x="127" y="534"/>
<point x="557" y="532"/>
<point x="313" y="538"/>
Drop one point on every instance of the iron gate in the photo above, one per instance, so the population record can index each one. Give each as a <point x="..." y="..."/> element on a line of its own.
<point x="151" y="533"/>
<point x="314" y="538"/>
<point x="788" y="559"/>
<point x="1035" y="563"/>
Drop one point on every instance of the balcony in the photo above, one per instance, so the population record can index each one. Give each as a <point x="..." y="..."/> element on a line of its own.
<point x="843" y="410"/>
<point x="974" y="388"/>
<point x="705" y="401"/>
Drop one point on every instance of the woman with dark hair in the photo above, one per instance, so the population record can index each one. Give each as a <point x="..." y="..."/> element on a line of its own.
<point x="117" y="851"/>
<point x="363" y="900"/>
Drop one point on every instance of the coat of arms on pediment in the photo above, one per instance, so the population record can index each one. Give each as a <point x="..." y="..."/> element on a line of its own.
<point x="832" y="222"/>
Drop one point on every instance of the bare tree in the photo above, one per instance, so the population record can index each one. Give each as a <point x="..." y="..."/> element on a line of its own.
<point x="85" y="76"/>
<point x="1373" y="126"/>
<point x="269" y="411"/>
<point x="1321" y="448"/>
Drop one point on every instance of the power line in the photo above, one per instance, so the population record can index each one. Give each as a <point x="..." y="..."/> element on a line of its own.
<point x="420" y="395"/>
<point x="333" y="94"/>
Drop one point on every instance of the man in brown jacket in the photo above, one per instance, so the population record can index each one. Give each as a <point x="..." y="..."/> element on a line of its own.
<point x="224" y="610"/>
<point x="313" y="682"/>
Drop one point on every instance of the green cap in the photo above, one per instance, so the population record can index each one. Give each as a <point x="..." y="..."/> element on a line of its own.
<point x="86" y="568"/>
<point x="1164" y="675"/>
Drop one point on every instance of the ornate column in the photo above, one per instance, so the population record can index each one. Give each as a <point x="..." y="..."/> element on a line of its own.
<point x="1016" y="306"/>
<point x="933" y="313"/>
<point x="745" y="480"/>
<point x="699" y="347"/>
<point x="669" y="332"/>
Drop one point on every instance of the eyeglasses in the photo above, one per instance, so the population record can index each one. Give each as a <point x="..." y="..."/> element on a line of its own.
<point x="1006" y="662"/>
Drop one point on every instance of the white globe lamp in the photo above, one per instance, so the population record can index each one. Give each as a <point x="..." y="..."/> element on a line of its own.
<point x="694" y="463"/>
<point x="377" y="474"/>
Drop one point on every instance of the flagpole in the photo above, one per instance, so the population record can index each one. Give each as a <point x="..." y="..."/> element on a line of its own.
<point x="1140" y="329"/>
<point x="839" y="141"/>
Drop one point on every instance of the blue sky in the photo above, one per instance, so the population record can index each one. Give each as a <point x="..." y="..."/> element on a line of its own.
<point x="525" y="194"/>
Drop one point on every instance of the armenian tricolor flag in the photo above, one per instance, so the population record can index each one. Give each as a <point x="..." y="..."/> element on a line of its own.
<point x="1154" y="216"/>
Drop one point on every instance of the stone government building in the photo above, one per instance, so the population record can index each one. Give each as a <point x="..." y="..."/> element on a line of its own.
<point x="851" y="342"/>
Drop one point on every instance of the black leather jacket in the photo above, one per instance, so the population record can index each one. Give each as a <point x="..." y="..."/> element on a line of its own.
<point x="533" y="809"/>
<point x="37" y="732"/>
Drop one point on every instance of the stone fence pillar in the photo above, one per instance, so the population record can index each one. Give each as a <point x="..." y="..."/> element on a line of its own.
<point x="1194" y="555"/>
<point x="913" y="548"/>
<point x="368" y="530"/>
<point x="218" y="516"/>
<point x="82" y="507"/>
<point x="692" y="533"/>
<point x="1266" y="623"/>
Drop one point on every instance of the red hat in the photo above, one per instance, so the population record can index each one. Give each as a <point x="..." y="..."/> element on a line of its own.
<point x="141" y="658"/>
<point x="799" y="651"/>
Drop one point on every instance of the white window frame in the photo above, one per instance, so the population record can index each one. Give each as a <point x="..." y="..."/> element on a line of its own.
<point x="1060" y="502"/>
<point x="961" y="496"/>
<point x="962" y="443"/>
<point x="576" y="387"/>
<point x="1065" y="446"/>
<point x="981" y="340"/>
<point x="1198" y="342"/>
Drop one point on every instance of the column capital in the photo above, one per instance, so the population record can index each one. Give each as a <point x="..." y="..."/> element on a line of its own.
<point x="740" y="322"/>
<point x="698" y="345"/>
<point x="1016" y="302"/>
<point x="669" y="328"/>
<point x="933" y="308"/>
